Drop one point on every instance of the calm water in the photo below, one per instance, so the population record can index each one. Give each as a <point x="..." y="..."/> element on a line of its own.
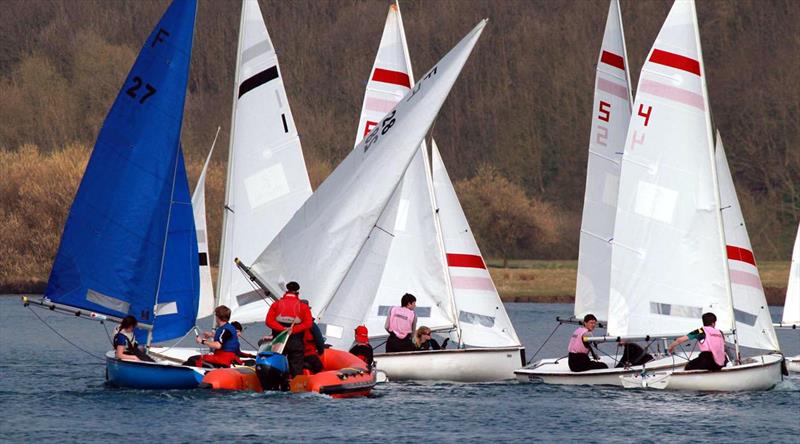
<point x="50" y="390"/>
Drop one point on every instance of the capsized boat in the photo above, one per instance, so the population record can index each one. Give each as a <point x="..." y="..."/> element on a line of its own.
<point x="674" y="255"/>
<point x="455" y="297"/>
<point x="129" y="244"/>
<point x="343" y="375"/>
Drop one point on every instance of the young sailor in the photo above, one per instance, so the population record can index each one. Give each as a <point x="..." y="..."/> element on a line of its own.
<point x="287" y="312"/>
<point x="362" y="348"/>
<point x="424" y="341"/>
<point x="712" y="346"/>
<point x="579" y="348"/>
<point x="400" y="323"/>
<point x="125" y="346"/>
<point x="225" y="342"/>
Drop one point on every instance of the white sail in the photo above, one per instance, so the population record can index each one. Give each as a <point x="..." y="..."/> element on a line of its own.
<point x="482" y="317"/>
<point x="611" y="113"/>
<point x="791" y="307"/>
<point x="753" y="321"/>
<point x="267" y="178"/>
<point x="668" y="258"/>
<point x="319" y="245"/>
<point x="205" y="305"/>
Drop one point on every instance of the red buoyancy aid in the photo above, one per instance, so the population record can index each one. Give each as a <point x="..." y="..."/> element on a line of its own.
<point x="309" y="343"/>
<point x="714" y="343"/>
<point x="288" y="311"/>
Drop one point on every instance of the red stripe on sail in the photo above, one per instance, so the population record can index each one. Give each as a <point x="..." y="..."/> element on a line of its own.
<point x="741" y="254"/>
<point x="465" y="260"/>
<point x="676" y="61"/>
<point x="609" y="58"/>
<point x="393" y="77"/>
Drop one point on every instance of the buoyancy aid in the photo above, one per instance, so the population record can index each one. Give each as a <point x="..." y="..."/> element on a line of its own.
<point x="231" y="343"/>
<point x="401" y="321"/>
<point x="128" y="340"/>
<point x="714" y="342"/>
<point x="576" y="344"/>
<point x="288" y="311"/>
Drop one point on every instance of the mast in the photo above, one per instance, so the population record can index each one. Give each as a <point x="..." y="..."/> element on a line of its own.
<point x="717" y="199"/>
<point x="228" y="182"/>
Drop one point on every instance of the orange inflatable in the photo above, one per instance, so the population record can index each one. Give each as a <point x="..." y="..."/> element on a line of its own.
<point x="343" y="376"/>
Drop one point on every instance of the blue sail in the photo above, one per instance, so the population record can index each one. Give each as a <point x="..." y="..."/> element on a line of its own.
<point x="178" y="294"/>
<point x="110" y="257"/>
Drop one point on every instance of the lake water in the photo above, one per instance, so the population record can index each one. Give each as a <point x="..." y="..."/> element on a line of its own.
<point x="51" y="390"/>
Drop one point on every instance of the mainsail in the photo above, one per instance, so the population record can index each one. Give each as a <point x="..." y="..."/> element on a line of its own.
<point x="669" y="263"/>
<point x="753" y="321"/>
<point x="611" y="113"/>
<point x="319" y="245"/>
<point x="267" y="179"/>
<point x="115" y="249"/>
<point x="791" y="307"/>
<point x="205" y="306"/>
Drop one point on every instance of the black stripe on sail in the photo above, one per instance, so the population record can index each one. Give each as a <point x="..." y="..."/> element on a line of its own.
<point x="285" y="126"/>
<point x="203" y="259"/>
<point x="258" y="80"/>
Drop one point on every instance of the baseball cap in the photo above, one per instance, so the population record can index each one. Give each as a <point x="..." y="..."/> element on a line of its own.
<point x="362" y="334"/>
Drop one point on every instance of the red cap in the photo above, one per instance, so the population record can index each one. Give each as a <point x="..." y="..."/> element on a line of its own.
<point x="362" y="334"/>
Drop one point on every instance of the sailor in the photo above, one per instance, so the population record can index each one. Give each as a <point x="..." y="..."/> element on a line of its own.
<point x="424" y="341"/>
<point x="288" y="312"/>
<point x="579" y="347"/>
<point x="125" y="346"/>
<point x="362" y="348"/>
<point x="224" y="342"/>
<point x="313" y="346"/>
<point x="712" y="346"/>
<point x="238" y="326"/>
<point x="400" y="323"/>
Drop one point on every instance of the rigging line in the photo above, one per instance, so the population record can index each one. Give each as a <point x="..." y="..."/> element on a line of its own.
<point x="178" y="341"/>
<point x="64" y="338"/>
<point x="256" y="288"/>
<point x="110" y="340"/>
<point x="545" y="342"/>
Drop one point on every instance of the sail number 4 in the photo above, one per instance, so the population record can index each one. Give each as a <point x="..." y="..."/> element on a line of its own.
<point x="134" y="92"/>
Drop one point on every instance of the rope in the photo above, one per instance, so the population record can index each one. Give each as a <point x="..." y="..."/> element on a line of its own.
<point x="545" y="342"/>
<point x="64" y="338"/>
<point x="179" y="340"/>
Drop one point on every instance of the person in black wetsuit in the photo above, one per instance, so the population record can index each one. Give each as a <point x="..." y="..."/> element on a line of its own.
<point x="362" y="348"/>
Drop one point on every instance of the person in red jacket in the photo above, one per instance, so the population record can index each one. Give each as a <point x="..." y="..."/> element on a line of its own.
<point x="287" y="312"/>
<point x="313" y="346"/>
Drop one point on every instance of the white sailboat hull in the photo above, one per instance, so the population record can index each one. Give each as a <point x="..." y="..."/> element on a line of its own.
<point x="756" y="373"/>
<point x="458" y="365"/>
<point x="556" y="371"/>
<point x="793" y="364"/>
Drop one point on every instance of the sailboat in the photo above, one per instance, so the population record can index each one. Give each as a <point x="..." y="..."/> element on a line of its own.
<point x="611" y="114"/>
<point x="670" y="260"/>
<point x="791" y="305"/>
<point x="336" y="244"/>
<point x="414" y="259"/>
<point x="129" y="245"/>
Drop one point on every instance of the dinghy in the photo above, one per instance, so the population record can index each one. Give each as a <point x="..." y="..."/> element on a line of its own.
<point x="671" y="261"/>
<point x="611" y="113"/>
<point x="129" y="244"/>
<point x="791" y="305"/>
<point x="414" y="260"/>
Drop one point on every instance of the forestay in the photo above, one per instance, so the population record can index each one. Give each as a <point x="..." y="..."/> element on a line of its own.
<point x="753" y="321"/>
<point x="267" y="179"/>
<point x="112" y="253"/>
<point x="320" y="243"/>
<point x="668" y="257"/>
<point x="482" y="317"/>
<point x="611" y="113"/>
<point x="205" y="306"/>
<point x="791" y="307"/>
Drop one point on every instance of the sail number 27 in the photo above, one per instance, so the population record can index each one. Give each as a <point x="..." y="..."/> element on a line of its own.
<point x="134" y="92"/>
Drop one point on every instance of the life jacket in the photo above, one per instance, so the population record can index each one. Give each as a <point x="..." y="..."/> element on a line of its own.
<point x="714" y="343"/>
<point x="309" y="344"/>
<point x="288" y="311"/>
<point x="401" y="321"/>
<point x="126" y="339"/>
<point x="576" y="344"/>
<point x="232" y="343"/>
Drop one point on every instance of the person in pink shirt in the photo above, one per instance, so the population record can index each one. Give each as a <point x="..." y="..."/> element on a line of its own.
<point x="579" y="348"/>
<point x="711" y="343"/>
<point x="401" y="322"/>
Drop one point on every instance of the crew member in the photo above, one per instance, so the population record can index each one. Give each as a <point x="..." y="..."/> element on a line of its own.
<point x="423" y="339"/>
<point x="289" y="312"/>
<point x="579" y="348"/>
<point x="362" y="348"/>
<point x="125" y="346"/>
<point x="712" y="346"/>
<point x="224" y="342"/>
<point x="401" y="322"/>
<point x="313" y="346"/>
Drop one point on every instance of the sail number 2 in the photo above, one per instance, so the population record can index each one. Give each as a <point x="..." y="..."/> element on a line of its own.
<point x="134" y="92"/>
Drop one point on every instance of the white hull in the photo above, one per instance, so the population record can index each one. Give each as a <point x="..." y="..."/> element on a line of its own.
<point x="757" y="373"/>
<point x="556" y="371"/>
<point x="793" y="364"/>
<point x="459" y="365"/>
